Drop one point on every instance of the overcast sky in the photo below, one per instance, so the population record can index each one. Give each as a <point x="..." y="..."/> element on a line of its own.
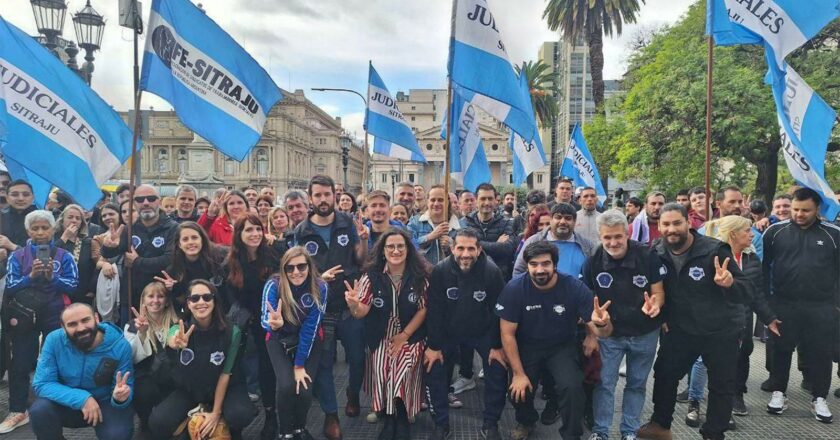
<point x="327" y="43"/>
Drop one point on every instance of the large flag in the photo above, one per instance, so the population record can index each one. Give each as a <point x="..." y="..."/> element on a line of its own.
<point x="467" y="157"/>
<point x="527" y="156"/>
<point x="579" y="165"/>
<point x="40" y="187"/>
<point x="479" y="63"/>
<point x="218" y="90"/>
<point x="384" y="121"/>
<point x="56" y="126"/>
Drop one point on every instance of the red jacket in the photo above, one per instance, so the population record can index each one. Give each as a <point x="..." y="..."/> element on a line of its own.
<point x="219" y="229"/>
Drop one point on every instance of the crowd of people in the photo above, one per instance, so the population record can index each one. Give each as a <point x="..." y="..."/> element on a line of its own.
<point x="211" y="305"/>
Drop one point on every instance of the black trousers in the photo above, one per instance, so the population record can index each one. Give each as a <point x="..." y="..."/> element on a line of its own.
<point x="292" y="407"/>
<point x="147" y="394"/>
<point x="747" y="346"/>
<point x="810" y="327"/>
<point x="677" y="352"/>
<point x="237" y="410"/>
<point x="563" y="364"/>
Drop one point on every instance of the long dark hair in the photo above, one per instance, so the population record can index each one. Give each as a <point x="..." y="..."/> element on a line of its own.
<point x="533" y="225"/>
<point x="238" y="257"/>
<point x="415" y="265"/>
<point x="113" y="207"/>
<point x="207" y="257"/>
<point x="218" y="319"/>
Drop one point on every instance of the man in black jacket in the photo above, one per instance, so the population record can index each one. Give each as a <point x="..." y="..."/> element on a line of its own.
<point x="462" y="294"/>
<point x="705" y="290"/>
<point x="495" y="231"/>
<point x="801" y="257"/>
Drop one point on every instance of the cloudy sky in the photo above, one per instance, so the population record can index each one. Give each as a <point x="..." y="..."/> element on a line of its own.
<point x="327" y="43"/>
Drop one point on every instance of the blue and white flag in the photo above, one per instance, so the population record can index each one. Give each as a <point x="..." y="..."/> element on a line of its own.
<point x="467" y="158"/>
<point x="579" y="165"/>
<point x="806" y="121"/>
<point x="527" y="156"/>
<point x="384" y="121"/>
<point x="40" y="187"/>
<point x="56" y="126"/>
<point x="217" y="89"/>
<point x="479" y="63"/>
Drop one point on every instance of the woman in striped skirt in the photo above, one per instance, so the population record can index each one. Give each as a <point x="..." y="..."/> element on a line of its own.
<point x="391" y="298"/>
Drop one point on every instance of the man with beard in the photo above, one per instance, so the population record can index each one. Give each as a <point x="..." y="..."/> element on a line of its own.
<point x="645" y="227"/>
<point x="149" y="249"/>
<point x="495" y="231"/>
<point x="379" y="215"/>
<point x="539" y="315"/>
<point x="510" y="212"/>
<point x="630" y="275"/>
<point x="800" y="268"/>
<point x="573" y="249"/>
<point x="185" y="204"/>
<point x="296" y="203"/>
<point x="338" y="245"/>
<point x="730" y="201"/>
<point x="405" y="196"/>
<point x="463" y="290"/>
<point x="684" y="199"/>
<point x="419" y="200"/>
<point x="705" y="318"/>
<point x="85" y="378"/>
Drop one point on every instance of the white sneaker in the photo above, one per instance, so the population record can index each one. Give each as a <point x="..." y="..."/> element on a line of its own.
<point x="372" y="417"/>
<point x="778" y="403"/>
<point x="454" y="401"/>
<point x="254" y="397"/>
<point x="463" y="384"/>
<point x="13" y="421"/>
<point x="819" y="408"/>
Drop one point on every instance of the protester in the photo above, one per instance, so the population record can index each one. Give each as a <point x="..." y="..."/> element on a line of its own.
<point x="185" y="204"/>
<point x="510" y="211"/>
<point x="264" y="205"/>
<point x="201" y="205"/>
<point x="123" y="192"/>
<point x="430" y="229"/>
<point x="251" y="196"/>
<point x="293" y="303"/>
<point x="168" y="206"/>
<point x="419" y="200"/>
<point x="224" y="211"/>
<point x="632" y="208"/>
<point x="84" y="378"/>
<point x="73" y="235"/>
<point x="194" y="257"/>
<point x="585" y="221"/>
<point x="564" y="192"/>
<point x="347" y="204"/>
<point x="405" y="196"/>
<point x="573" y="249"/>
<point x="13" y="233"/>
<point x="645" y="227"/>
<point x="466" y="203"/>
<point x="534" y="197"/>
<point x="296" y="203"/>
<point x="124" y="213"/>
<point x="268" y="191"/>
<point x="683" y="198"/>
<point x="280" y="224"/>
<point x="379" y="216"/>
<point x="538" y="315"/>
<point x="699" y="207"/>
<point x="781" y="208"/>
<point x="399" y="214"/>
<point x="495" y="232"/>
<point x="391" y="298"/>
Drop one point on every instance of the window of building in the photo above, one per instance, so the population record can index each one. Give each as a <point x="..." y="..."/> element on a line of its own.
<point x="384" y="177"/>
<point x="162" y="160"/>
<point x="539" y="178"/>
<point x="230" y="167"/>
<point x="262" y="162"/>
<point x="411" y="177"/>
<point x="495" y="147"/>
<point x="429" y="147"/>
<point x="414" y="107"/>
<point x="413" y="118"/>
<point x="182" y="161"/>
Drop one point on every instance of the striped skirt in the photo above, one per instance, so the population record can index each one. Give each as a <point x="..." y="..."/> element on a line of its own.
<point x="388" y="378"/>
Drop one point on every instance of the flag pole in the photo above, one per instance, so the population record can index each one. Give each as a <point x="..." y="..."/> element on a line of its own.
<point x="709" y="84"/>
<point x="447" y="165"/>
<point x="138" y="29"/>
<point x="365" y="172"/>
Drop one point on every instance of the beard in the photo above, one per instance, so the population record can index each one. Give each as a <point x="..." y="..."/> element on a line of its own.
<point x="681" y="240"/>
<point x="466" y="264"/>
<point x="542" y="279"/>
<point x="324" y="209"/>
<point x="147" y="214"/>
<point x="83" y="339"/>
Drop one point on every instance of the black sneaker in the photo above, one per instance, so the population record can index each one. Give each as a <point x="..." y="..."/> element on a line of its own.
<point x="766" y="386"/>
<point x="682" y="397"/>
<point x="692" y="418"/>
<point x="440" y="433"/>
<point x="739" y="407"/>
<point x="551" y="413"/>
<point x="732" y="425"/>
<point x="490" y="433"/>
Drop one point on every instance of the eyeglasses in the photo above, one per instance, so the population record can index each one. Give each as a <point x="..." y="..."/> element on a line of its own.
<point x="395" y="247"/>
<point x="290" y="268"/>
<point x="206" y="297"/>
<point x="141" y="199"/>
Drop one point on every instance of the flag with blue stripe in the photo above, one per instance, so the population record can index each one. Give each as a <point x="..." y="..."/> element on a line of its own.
<point x="479" y="63"/>
<point x="217" y="89"/>
<point x="384" y="121"/>
<point x="467" y="158"/>
<point x="56" y="126"/>
<point x="527" y="156"/>
<point x="579" y="165"/>
<point x="40" y="187"/>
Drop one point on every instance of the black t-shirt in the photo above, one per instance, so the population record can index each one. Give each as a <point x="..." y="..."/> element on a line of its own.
<point x="545" y="318"/>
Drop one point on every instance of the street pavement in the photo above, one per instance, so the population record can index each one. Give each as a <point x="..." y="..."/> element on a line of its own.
<point x="797" y="423"/>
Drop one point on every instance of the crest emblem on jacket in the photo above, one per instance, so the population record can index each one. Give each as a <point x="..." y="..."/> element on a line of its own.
<point x="640" y="281"/>
<point x="311" y="247"/>
<point x="696" y="273"/>
<point x="217" y="357"/>
<point x="604" y="279"/>
<point x="343" y="240"/>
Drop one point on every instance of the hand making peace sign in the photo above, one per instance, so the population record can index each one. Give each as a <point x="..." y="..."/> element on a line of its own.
<point x="275" y="317"/>
<point x="111" y="239"/>
<point x="600" y="316"/>
<point x="723" y="277"/>
<point x="140" y="322"/>
<point x="650" y="308"/>
<point x="167" y="280"/>
<point x="121" y="388"/>
<point x="182" y="338"/>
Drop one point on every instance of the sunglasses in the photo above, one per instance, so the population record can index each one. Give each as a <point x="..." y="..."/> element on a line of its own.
<point x="206" y="297"/>
<point x="141" y="199"/>
<point x="290" y="268"/>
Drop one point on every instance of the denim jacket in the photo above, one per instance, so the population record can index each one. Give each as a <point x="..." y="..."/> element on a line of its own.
<point x="421" y="226"/>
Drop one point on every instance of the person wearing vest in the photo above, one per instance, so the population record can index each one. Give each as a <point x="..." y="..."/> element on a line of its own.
<point x="40" y="290"/>
<point x="391" y="299"/>
<point x="338" y="245"/>
<point x="462" y="293"/>
<point x="205" y="349"/>
<point x="629" y="274"/>
<point x="293" y="305"/>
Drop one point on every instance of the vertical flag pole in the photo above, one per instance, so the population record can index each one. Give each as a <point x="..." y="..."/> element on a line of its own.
<point x="709" y="83"/>
<point x="447" y="166"/>
<point x="138" y="28"/>
<point x="365" y="172"/>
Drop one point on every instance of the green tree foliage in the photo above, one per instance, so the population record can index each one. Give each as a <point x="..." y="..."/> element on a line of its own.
<point x="543" y="88"/>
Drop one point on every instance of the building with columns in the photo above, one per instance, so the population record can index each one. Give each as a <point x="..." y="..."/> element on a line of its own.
<point x="299" y="140"/>
<point x="424" y="111"/>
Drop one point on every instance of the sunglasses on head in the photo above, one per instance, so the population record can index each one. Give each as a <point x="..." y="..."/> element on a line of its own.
<point x="290" y="268"/>
<point x="206" y="297"/>
<point x="141" y="199"/>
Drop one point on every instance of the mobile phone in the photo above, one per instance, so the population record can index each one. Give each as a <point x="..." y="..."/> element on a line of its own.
<point x="42" y="253"/>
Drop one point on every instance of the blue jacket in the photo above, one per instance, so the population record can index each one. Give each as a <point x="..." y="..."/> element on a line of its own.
<point x="420" y="227"/>
<point x="64" y="281"/>
<point x="308" y="316"/>
<point x="66" y="375"/>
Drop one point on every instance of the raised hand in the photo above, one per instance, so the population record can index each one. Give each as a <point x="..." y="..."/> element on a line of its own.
<point x="182" y="338"/>
<point x="600" y="316"/>
<point x="111" y="239"/>
<point x="167" y="280"/>
<point x="275" y="317"/>
<point x="361" y="229"/>
<point x="216" y="204"/>
<point x="140" y="322"/>
<point x="351" y="295"/>
<point x="70" y="233"/>
<point x="330" y="274"/>
<point x="650" y="308"/>
<point x="91" y="412"/>
<point x="723" y="277"/>
<point x="121" y="388"/>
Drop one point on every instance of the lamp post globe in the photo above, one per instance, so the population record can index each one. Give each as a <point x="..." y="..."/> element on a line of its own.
<point x="89" y="25"/>
<point x="49" y="19"/>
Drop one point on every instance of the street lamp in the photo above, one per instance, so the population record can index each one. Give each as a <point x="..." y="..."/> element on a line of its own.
<point x="345" y="155"/>
<point x="393" y="184"/>
<point x="367" y="153"/>
<point x="89" y="26"/>
<point x="49" y="19"/>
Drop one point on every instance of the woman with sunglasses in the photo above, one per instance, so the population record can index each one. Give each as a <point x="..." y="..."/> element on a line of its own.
<point x="207" y="348"/>
<point x="391" y="298"/>
<point x="249" y="265"/>
<point x="293" y="304"/>
<point x="222" y="214"/>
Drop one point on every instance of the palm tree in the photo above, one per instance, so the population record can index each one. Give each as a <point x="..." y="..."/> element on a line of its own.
<point x="591" y="20"/>
<point x="543" y="87"/>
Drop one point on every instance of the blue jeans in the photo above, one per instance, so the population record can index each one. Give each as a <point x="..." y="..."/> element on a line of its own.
<point x="697" y="380"/>
<point x="48" y="418"/>
<point x="640" y="352"/>
<point x="351" y="332"/>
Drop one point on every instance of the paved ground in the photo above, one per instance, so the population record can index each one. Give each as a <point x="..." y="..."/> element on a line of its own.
<point x="796" y="424"/>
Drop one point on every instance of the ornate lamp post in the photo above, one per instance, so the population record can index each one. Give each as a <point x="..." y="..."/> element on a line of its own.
<point x="49" y="18"/>
<point x="345" y="155"/>
<point x="89" y="26"/>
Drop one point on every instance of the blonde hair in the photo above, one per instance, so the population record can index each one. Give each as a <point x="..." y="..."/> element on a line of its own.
<point x="723" y="228"/>
<point x="271" y="213"/>
<point x="168" y="319"/>
<point x="285" y="288"/>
